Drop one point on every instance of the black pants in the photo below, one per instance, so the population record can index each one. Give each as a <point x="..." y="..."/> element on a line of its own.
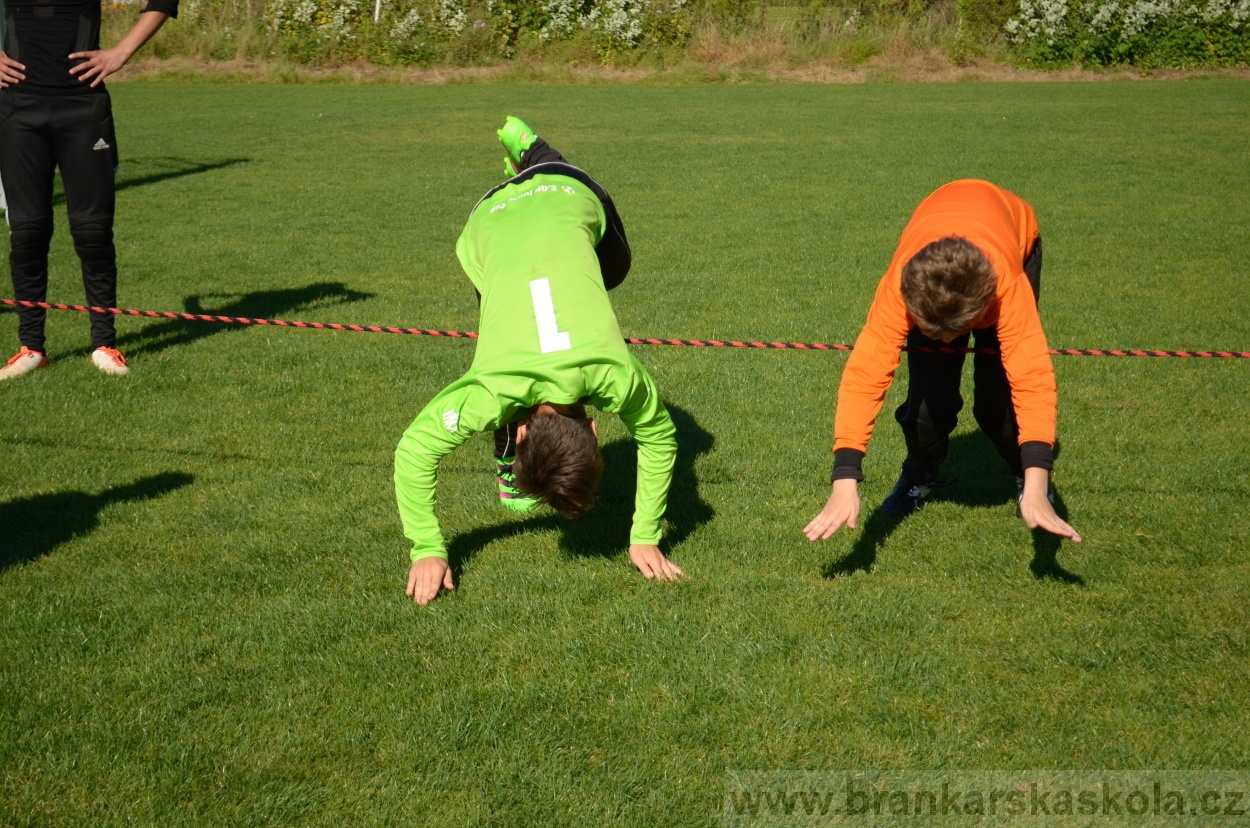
<point x="933" y="400"/>
<point x="38" y="134"/>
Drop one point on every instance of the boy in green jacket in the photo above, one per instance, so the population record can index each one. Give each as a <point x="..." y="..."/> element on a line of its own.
<point x="542" y="250"/>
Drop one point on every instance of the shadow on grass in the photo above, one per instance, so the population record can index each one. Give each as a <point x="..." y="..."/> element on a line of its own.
<point x="604" y="530"/>
<point x="34" y="526"/>
<point x="178" y="168"/>
<point x="979" y="479"/>
<point x="1045" y="566"/>
<point x="262" y="304"/>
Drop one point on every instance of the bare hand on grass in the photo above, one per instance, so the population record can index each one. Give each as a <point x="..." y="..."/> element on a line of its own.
<point x="842" y="508"/>
<point x="652" y="563"/>
<point x="1036" y="508"/>
<point x="426" y="577"/>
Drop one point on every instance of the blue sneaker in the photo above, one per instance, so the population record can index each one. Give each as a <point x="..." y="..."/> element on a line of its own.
<point x="905" y="499"/>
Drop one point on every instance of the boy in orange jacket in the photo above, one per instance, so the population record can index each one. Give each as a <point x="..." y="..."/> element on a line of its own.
<point x="969" y="261"/>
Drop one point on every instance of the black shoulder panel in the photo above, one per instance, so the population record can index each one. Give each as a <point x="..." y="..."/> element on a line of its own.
<point x="613" y="251"/>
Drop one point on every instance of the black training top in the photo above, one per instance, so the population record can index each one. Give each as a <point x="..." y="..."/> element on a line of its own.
<point x="41" y="34"/>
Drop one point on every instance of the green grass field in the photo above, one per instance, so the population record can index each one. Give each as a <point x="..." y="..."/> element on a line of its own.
<point x="202" y="618"/>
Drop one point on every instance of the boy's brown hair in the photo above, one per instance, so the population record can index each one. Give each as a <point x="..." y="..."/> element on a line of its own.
<point x="947" y="285"/>
<point x="559" y="463"/>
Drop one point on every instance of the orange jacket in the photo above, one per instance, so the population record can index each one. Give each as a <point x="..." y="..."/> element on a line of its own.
<point x="1003" y="226"/>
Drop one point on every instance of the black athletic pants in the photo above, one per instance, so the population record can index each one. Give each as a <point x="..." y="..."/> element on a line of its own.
<point x="38" y="134"/>
<point x="933" y="401"/>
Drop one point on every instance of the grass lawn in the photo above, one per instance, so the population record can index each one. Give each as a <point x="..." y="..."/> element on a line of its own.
<point x="202" y="617"/>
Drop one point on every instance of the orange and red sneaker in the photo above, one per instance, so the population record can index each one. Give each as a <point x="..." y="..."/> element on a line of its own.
<point x="110" y="361"/>
<point x="23" y="362"/>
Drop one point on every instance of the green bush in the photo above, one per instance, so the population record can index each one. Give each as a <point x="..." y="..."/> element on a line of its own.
<point x="468" y="32"/>
<point x="1146" y="33"/>
<point x="1152" y="34"/>
<point x="417" y="32"/>
<point x="984" y="19"/>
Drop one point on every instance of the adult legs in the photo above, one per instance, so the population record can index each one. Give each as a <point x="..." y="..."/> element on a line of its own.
<point x="27" y="163"/>
<point x="86" y="151"/>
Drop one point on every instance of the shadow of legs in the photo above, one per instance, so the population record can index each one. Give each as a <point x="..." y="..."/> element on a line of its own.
<point x="34" y="526"/>
<point x="264" y="304"/>
<point x="175" y="168"/>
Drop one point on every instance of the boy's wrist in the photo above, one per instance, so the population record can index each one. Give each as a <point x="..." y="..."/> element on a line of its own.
<point x="847" y="463"/>
<point x="1037" y="455"/>
<point x="429" y="553"/>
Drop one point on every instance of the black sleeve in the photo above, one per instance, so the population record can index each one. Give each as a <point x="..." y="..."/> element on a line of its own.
<point x="1037" y="455"/>
<point x="169" y="7"/>
<point x="613" y="251"/>
<point x="847" y="465"/>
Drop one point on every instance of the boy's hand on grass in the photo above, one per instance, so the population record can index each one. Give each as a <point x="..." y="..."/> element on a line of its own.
<point x="10" y="71"/>
<point x="843" y="507"/>
<point x="1036" y="508"/>
<point x="652" y="563"/>
<point x="426" y="577"/>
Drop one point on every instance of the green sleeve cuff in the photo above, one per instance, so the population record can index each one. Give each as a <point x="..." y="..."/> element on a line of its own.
<point x="418" y="554"/>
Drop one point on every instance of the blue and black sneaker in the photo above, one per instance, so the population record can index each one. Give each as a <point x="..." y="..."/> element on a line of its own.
<point x="906" y="497"/>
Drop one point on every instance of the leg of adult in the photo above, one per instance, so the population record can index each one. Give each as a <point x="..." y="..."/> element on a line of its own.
<point x="992" y="405"/>
<point x="86" y="150"/>
<point x="933" y="404"/>
<point x="27" y="164"/>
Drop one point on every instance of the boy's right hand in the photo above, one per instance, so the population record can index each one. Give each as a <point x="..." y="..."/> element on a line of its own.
<point x="843" y="507"/>
<point x="426" y="577"/>
<point x="652" y="563"/>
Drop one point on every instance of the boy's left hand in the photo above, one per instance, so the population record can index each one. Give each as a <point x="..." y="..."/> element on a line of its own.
<point x="652" y="563"/>
<point x="1037" y="510"/>
<point x="98" y="65"/>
